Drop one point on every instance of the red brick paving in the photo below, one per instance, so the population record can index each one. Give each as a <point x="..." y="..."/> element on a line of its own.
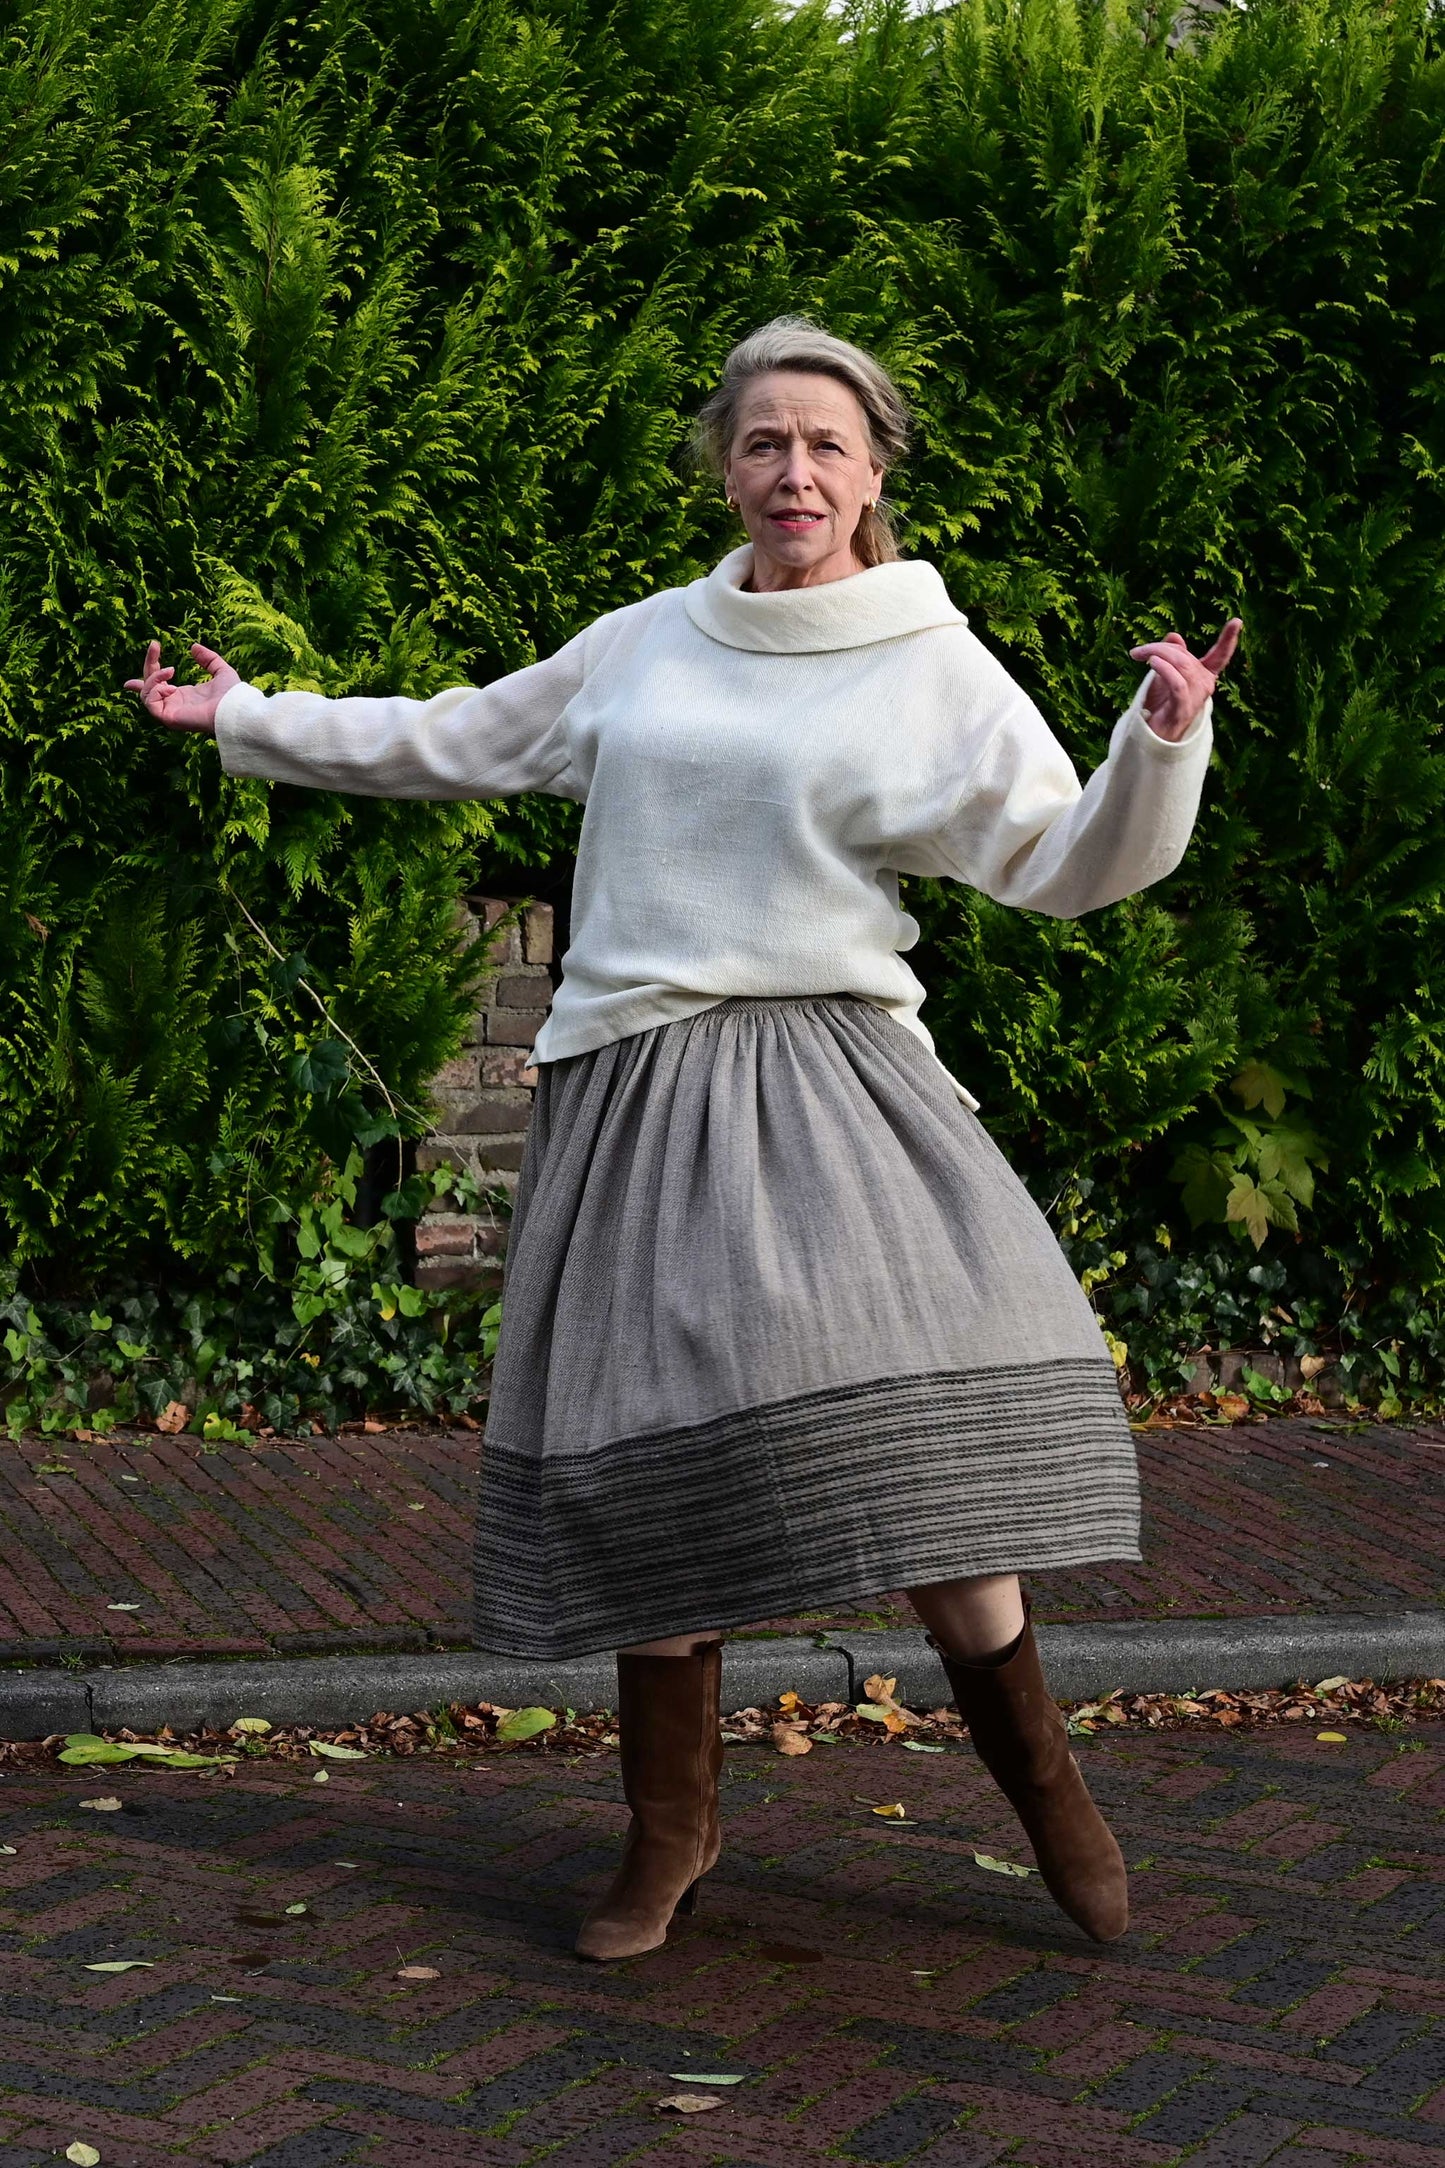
<point x="1301" y="2021"/>
<point x="330" y="1544"/>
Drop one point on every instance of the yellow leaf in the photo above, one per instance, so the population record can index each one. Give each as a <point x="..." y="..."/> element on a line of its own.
<point x="1332" y="1738"/>
<point x="1000" y="1866"/>
<point x="84" y="2156"/>
<point x="788" y="1700"/>
<point x="788" y="1739"/>
<point x="878" y="1688"/>
<point x="1234" y="1405"/>
<point x="893" y="1813"/>
<point x="895" y="1720"/>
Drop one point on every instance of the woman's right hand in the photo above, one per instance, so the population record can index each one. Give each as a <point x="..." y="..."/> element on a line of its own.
<point x="183" y="707"/>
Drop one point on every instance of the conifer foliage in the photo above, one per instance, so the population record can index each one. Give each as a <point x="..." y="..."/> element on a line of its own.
<point x="360" y="342"/>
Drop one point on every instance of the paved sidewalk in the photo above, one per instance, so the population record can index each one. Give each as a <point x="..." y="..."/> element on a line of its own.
<point x="882" y="1997"/>
<point x="161" y="1547"/>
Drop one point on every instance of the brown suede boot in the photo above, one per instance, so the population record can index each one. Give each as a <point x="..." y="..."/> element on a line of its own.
<point x="670" y="1730"/>
<point x="1020" y="1736"/>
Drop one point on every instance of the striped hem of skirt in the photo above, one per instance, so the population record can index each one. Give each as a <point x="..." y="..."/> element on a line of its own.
<point x="819" y="1500"/>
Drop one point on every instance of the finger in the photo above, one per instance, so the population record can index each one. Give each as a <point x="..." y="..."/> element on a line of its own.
<point x="1162" y="647"/>
<point x="208" y="658"/>
<point x="1218" y="655"/>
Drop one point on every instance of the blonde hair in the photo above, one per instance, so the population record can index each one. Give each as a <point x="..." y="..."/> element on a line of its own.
<point x="793" y="342"/>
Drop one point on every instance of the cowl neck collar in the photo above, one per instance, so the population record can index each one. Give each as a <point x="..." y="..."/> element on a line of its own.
<point x="879" y="604"/>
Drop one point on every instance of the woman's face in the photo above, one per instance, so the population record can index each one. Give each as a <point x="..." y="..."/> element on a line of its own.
<point x="800" y="469"/>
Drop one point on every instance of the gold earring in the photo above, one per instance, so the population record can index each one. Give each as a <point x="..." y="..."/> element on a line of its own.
<point x="732" y="504"/>
<point x="868" y="503"/>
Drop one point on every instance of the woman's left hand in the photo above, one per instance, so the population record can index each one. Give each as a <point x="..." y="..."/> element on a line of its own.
<point x="1182" y="682"/>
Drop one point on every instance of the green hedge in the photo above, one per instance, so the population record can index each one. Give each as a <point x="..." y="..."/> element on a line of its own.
<point x="360" y="341"/>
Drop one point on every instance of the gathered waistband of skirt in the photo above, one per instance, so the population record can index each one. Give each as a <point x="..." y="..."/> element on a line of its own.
<point x="773" y="1001"/>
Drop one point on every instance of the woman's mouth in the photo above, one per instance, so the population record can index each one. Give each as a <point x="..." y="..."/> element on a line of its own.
<point x="795" y="522"/>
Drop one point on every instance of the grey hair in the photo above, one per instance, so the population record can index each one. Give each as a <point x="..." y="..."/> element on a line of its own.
<point x="794" y="342"/>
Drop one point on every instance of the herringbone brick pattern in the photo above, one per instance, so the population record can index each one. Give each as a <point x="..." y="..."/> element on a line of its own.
<point x="1281" y="1997"/>
<point x="331" y="1544"/>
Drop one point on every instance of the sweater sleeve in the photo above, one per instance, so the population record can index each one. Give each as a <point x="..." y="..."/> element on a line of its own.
<point x="467" y="742"/>
<point x="1026" y="833"/>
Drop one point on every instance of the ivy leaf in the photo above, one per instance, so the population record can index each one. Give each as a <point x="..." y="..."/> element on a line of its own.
<point x="1249" y="1205"/>
<point x="1259" y="1085"/>
<point x="1206" y="1178"/>
<point x="320" y="1069"/>
<point x="1285" y="1155"/>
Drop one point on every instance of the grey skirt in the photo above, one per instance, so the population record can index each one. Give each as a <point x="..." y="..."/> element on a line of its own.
<point x="781" y="1329"/>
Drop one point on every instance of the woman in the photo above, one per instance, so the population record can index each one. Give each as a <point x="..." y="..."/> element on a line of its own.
<point x="782" y="1329"/>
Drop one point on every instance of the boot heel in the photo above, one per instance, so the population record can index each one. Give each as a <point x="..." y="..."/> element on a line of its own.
<point x="687" y="1902"/>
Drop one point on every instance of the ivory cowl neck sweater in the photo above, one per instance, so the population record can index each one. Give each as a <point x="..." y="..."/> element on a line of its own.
<point x="757" y="770"/>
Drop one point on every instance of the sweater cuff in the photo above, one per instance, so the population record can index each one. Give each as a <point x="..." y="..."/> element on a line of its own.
<point x="242" y="707"/>
<point x="1168" y="748"/>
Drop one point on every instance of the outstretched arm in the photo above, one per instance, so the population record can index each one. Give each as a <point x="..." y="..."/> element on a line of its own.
<point x="467" y="742"/>
<point x="1025" y="832"/>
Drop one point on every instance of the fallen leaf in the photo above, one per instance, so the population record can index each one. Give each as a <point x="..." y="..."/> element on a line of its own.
<point x="84" y="2156"/>
<point x="702" y="2077"/>
<point x="733" y="1738"/>
<point x="878" y="1688"/>
<point x="346" y="1862"/>
<point x="1332" y="1738"/>
<point x="122" y="1607"/>
<point x="257" y="1724"/>
<point x="336" y="1753"/>
<point x="684" y="2103"/>
<point x="225" y="1998"/>
<point x="525" y="1723"/>
<point x="418" y="1972"/>
<point x="1000" y="1866"/>
<point x="102" y="1806"/>
<point x="83" y="1748"/>
<point x="322" y="1776"/>
<point x="916" y="1746"/>
<point x="123" y="1964"/>
<point x="871" y="1709"/>
<point x="789" y="1740"/>
<point x="414" y="1505"/>
<point x="1330" y="1686"/>
<point x="292" y="1910"/>
<point x="1233" y="1405"/>
<point x="173" y="1417"/>
<point x="1312" y="1365"/>
<point x="894" y="1812"/>
<point x="789" y="1700"/>
<point x="8" y="1850"/>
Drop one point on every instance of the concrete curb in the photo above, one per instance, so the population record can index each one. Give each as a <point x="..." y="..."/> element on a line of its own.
<point x="1136" y="1656"/>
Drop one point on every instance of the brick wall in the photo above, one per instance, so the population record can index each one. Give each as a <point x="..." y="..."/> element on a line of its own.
<point x="485" y="1097"/>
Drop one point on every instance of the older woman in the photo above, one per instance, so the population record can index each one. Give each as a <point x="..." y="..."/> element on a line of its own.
<point x="781" y="1326"/>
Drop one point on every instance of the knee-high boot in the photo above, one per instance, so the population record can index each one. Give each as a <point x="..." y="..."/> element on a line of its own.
<point x="1020" y="1736"/>
<point x="669" y="1727"/>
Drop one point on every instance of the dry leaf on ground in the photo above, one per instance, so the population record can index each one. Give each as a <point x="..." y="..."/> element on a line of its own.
<point x="790" y="1739"/>
<point x="418" y="1972"/>
<point x="84" y="2156"/>
<point x="1000" y="1866"/>
<point x="173" y="1417"/>
<point x="103" y="1806"/>
<point x="690" y="2103"/>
